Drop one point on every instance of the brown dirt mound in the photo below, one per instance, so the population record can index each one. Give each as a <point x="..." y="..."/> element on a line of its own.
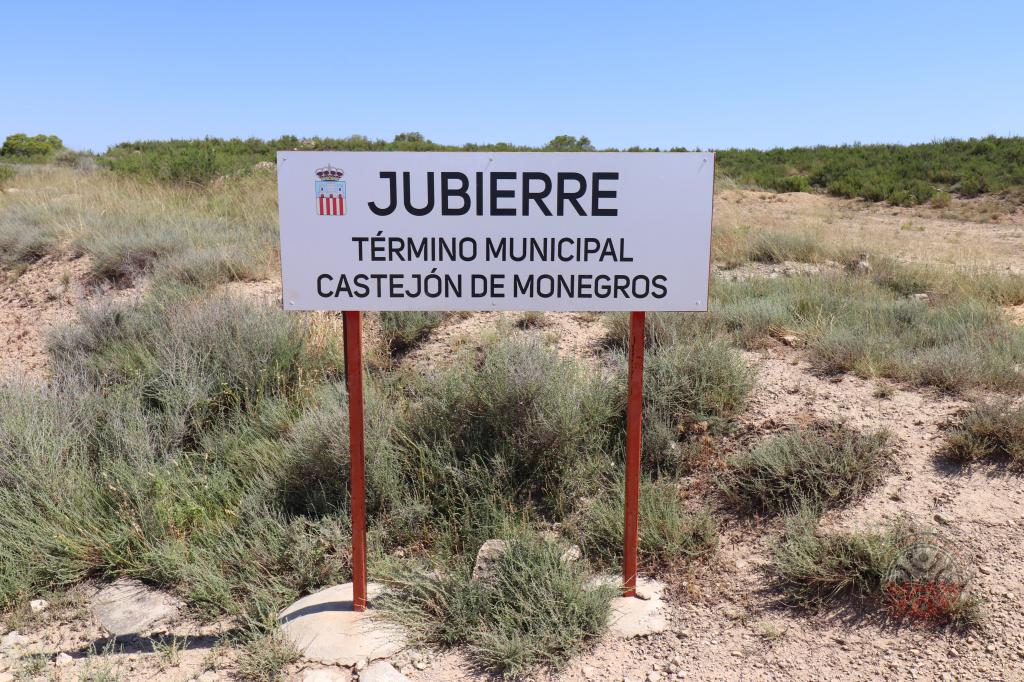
<point x="42" y="297"/>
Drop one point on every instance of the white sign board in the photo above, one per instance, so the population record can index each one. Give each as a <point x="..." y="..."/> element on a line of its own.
<point x="495" y="231"/>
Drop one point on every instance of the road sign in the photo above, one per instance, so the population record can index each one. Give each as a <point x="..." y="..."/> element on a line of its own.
<point x="494" y="231"/>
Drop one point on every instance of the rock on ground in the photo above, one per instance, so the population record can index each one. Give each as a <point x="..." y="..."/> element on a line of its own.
<point x="381" y="671"/>
<point x="645" y="614"/>
<point x="128" y="607"/>
<point x="486" y="557"/>
<point x="326" y="629"/>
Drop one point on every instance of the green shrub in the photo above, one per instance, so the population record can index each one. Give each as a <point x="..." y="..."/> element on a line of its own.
<point x="537" y="612"/>
<point x="814" y="569"/>
<point x="941" y="200"/>
<point x="190" y="364"/>
<point x="789" y="183"/>
<point x="987" y="431"/>
<point x="689" y="389"/>
<point x="24" y="148"/>
<point x="972" y="186"/>
<point x="670" y="533"/>
<point x="899" y="174"/>
<point x="777" y="247"/>
<point x="851" y="324"/>
<point x="825" y="466"/>
<point x="24" y="243"/>
<point x="524" y="420"/>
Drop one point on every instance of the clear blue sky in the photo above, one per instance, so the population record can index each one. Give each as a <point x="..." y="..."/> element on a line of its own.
<point x="707" y="74"/>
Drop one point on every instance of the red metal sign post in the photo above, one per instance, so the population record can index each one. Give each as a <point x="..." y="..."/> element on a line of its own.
<point x="353" y="332"/>
<point x="634" y="421"/>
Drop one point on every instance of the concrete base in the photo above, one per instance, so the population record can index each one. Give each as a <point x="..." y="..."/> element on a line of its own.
<point x="645" y="614"/>
<point x="326" y="629"/>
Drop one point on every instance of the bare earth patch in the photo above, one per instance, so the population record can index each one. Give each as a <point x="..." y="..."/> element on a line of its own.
<point x="919" y="233"/>
<point x="43" y="296"/>
<point x="576" y="335"/>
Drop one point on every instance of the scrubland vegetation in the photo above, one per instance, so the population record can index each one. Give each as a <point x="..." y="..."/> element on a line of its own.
<point x="898" y="174"/>
<point x="191" y="438"/>
<point x="989" y="431"/>
<point x="902" y="175"/>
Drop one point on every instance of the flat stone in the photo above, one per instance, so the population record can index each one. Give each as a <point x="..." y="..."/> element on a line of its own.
<point x="486" y="557"/>
<point x="327" y="675"/>
<point x="381" y="671"/>
<point x="63" y="660"/>
<point x="38" y="605"/>
<point x="632" y="617"/>
<point x="325" y="628"/>
<point x="128" y="607"/>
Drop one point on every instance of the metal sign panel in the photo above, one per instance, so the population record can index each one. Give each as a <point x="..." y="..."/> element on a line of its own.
<point x="495" y="231"/>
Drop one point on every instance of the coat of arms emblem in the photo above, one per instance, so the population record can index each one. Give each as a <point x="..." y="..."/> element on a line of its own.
<point x="331" y="197"/>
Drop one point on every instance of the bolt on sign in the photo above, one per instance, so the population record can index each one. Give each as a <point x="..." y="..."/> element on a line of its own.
<point x="495" y="231"/>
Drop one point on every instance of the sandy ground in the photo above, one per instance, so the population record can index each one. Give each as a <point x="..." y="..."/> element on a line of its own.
<point x="918" y="233"/>
<point x="727" y="622"/>
<point x="41" y="298"/>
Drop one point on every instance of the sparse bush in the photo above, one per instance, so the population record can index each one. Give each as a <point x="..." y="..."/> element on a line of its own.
<point x="263" y="658"/>
<point x="689" y="389"/>
<point x="121" y="257"/>
<point x="534" y="422"/>
<point x="206" y="267"/>
<point x="776" y="247"/>
<point x="850" y="324"/>
<point x="155" y="454"/>
<point x="814" y="569"/>
<point x="670" y="533"/>
<point x="192" y="364"/>
<point x="819" y="468"/>
<point x="6" y="175"/>
<point x="313" y="476"/>
<point x="789" y="183"/>
<point x="537" y="612"/>
<point x="533" y="319"/>
<point x="20" y="243"/>
<point x="987" y="431"/>
<point x="402" y="330"/>
<point x="941" y="200"/>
